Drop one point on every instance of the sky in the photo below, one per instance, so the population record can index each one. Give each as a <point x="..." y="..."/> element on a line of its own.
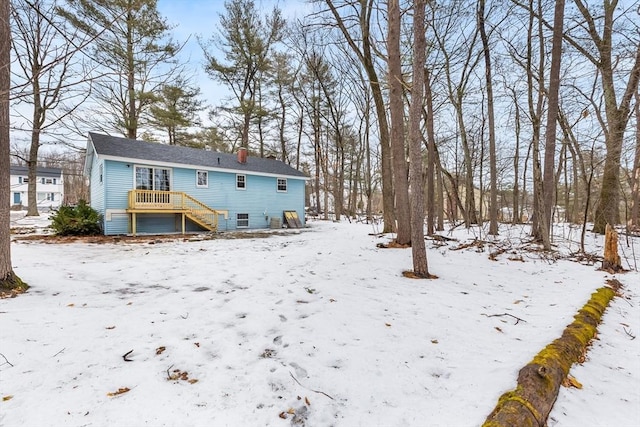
<point x="316" y="326"/>
<point x="195" y="19"/>
<point x="190" y="19"/>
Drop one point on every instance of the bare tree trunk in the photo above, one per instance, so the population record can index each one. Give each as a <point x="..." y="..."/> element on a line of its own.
<point x="516" y="217"/>
<point x="396" y="134"/>
<point x="431" y="154"/>
<point x="493" y="203"/>
<point x="8" y="279"/>
<point x="131" y="123"/>
<point x="634" y="220"/>
<point x="365" y="56"/>
<point x="418" y="249"/>
<point x="552" y="116"/>
<point x="617" y="114"/>
<point x="539" y="226"/>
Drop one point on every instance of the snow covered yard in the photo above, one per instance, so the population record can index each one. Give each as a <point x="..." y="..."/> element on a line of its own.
<point x="317" y="328"/>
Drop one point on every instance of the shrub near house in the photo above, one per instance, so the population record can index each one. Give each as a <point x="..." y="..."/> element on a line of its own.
<point x="80" y="220"/>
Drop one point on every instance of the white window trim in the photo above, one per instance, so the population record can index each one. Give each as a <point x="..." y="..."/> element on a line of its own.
<point x="238" y="220"/>
<point x="206" y="174"/>
<point x="286" y="185"/>
<point x="135" y="166"/>
<point x="245" y="182"/>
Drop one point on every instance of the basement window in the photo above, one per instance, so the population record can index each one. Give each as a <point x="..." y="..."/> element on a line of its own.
<point x="242" y="220"/>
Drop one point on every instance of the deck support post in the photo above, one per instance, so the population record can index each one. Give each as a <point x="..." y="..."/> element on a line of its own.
<point x="133" y="223"/>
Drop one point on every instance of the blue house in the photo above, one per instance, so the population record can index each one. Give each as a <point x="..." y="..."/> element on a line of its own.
<point x="143" y="187"/>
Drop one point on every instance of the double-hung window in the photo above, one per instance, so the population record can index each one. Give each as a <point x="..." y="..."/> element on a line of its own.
<point x="242" y="220"/>
<point x="202" y="179"/>
<point x="282" y="185"/>
<point x="241" y="182"/>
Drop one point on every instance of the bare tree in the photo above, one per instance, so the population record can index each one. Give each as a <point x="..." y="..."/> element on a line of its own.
<point x="493" y="204"/>
<point x="50" y="80"/>
<point x="418" y="249"/>
<point x="552" y="116"/>
<point x="361" y="43"/>
<point x="597" y="47"/>
<point x="8" y="279"/>
<point x="634" y="219"/>
<point x="460" y="57"/>
<point x="396" y="134"/>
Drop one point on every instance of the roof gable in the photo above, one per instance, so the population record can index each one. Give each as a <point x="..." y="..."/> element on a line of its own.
<point x="133" y="149"/>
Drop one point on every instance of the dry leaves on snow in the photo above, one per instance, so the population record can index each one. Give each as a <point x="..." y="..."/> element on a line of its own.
<point x="571" y="381"/>
<point x="179" y="375"/>
<point x="120" y="391"/>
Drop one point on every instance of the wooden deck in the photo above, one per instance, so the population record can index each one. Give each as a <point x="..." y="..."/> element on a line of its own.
<point x="171" y="202"/>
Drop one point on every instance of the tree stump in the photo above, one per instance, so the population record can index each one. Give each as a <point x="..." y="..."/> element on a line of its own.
<point x="611" y="262"/>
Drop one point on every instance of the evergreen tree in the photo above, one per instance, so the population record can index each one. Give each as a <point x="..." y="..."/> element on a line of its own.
<point x="175" y="109"/>
<point x="133" y="52"/>
<point x="247" y="41"/>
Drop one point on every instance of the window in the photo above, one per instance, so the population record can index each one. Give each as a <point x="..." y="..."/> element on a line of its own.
<point x="242" y="220"/>
<point x="202" y="179"/>
<point x="48" y="181"/>
<point x="148" y="178"/>
<point x="282" y="184"/>
<point x="241" y="182"/>
<point x="23" y="180"/>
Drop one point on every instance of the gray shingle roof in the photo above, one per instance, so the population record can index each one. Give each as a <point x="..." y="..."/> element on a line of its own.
<point x="125" y="148"/>
<point x="42" y="172"/>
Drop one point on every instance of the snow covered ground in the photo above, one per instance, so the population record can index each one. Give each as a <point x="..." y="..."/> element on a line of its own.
<point x="316" y="327"/>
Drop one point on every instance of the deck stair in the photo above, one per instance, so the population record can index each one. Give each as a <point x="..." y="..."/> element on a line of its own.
<point x="151" y="201"/>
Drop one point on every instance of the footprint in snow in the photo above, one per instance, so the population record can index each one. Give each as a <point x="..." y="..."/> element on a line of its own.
<point x="300" y="372"/>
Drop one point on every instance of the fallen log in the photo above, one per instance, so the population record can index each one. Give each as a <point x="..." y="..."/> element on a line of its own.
<point x="539" y="381"/>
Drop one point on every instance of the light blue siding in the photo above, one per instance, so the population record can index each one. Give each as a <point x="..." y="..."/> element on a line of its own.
<point x="96" y="189"/>
<point x="118" y="182"/>
<point x="260" y="199"/>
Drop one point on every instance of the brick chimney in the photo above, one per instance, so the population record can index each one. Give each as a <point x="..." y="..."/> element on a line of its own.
<point x="242" y="155"/>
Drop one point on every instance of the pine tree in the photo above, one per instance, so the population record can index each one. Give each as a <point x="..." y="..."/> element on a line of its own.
<point x="134" y="54"/>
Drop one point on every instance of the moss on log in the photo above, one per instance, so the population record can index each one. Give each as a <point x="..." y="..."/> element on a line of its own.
<point x="539" y="381"/>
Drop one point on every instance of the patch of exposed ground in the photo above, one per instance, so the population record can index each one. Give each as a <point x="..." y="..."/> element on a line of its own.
<point x="156" y="238"/>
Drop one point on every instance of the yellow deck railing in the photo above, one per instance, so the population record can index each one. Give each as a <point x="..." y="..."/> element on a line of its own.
<point x="150" y="201"/>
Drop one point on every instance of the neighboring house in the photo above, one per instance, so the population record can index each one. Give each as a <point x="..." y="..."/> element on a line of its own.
<point x="143" y="187"/>
<point x="49" y="187"/>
